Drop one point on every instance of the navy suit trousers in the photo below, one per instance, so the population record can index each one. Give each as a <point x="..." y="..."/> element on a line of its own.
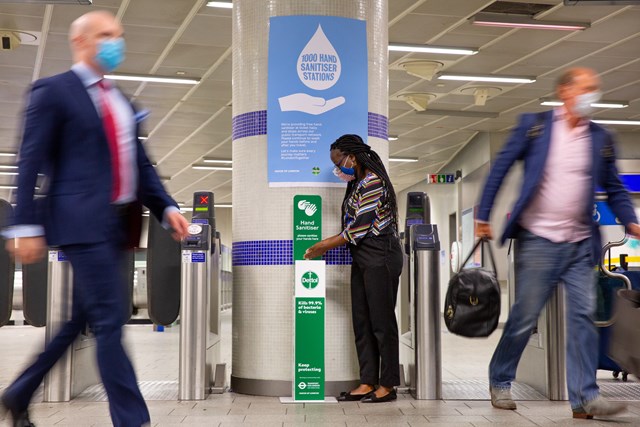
<point x="99" y="299"/>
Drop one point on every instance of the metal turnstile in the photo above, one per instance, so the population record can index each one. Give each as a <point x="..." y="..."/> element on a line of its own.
<point x="200" y="341"/>
<point x="425" y="367"/>
<point x="77" y="369"/>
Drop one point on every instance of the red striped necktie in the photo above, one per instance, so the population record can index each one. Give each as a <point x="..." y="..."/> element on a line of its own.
<point x="110" y="130"/>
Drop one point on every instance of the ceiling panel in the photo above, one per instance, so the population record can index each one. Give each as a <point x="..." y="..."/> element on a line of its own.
<point x="150" y="26"/>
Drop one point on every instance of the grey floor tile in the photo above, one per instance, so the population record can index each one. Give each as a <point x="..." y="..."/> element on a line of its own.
<point x="316" y="418"/>
<point x="456" y="419"/>
<point x="259" y="419"/>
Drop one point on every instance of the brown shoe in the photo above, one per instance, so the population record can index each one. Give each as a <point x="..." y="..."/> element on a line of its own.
<point x="501" y="398"/>
<point x="599" y="406"/>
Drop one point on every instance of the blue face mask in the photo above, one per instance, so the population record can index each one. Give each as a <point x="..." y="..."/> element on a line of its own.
<point x="110" y="54"/>
<point x="348" y="171"/>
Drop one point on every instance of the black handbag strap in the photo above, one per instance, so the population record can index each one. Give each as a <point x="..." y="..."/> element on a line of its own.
<point x="482" y="241"/>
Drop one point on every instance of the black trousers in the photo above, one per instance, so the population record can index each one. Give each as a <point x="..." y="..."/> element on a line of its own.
<point x="375" y="274"/>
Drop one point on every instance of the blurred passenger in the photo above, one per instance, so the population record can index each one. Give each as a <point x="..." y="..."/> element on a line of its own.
<point x="566" y="156"/>
<point x="370" y="224"/>
<point x="82" y="132"/>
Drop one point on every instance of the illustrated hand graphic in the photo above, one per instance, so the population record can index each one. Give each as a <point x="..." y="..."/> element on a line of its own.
<point x="310" y="210"/>
<point x="309" y="104"/>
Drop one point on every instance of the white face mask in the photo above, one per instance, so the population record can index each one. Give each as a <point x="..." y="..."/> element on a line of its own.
<point x="583" y="103"/>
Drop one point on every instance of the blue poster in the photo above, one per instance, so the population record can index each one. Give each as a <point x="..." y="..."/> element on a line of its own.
<point x="603" y="215"/>
<point x="317" y="91"/>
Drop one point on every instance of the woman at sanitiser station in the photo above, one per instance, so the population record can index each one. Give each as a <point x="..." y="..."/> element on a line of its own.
<point x="369" y="224"/>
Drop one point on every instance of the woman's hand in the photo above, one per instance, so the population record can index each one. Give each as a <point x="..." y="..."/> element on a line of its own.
<point x="323" y="246"/>
<point x="316" y="250"/>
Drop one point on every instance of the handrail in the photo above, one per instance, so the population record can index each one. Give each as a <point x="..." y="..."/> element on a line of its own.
<point x="609" y="273"/>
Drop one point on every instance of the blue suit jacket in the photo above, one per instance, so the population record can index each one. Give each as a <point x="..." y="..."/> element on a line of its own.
<point x="64" y="139"/>
<point x="532" y="147"/>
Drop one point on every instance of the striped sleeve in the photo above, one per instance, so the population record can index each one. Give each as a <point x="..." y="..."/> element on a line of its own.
<point x="368" y="199"/>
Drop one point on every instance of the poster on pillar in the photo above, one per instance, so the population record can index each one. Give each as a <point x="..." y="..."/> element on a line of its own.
<point x="317" y="90"/>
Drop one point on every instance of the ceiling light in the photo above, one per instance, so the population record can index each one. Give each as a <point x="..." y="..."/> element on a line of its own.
<point x="223" y="205"/>
<point x="421" y="68"/>
<point x="222" y="4"/>
<point x="403" y="159"/>
<point x="423" y="48"/>
<point x="7" y="154"/>
<point x="8" y="173"/>
<point x="212" y="168"/>
<point x="52" y="2"/>
<point x="143" y="138"/>
<point x="505" y="20"/>
<point x="8" y="187"/>
<point x="392" y="137"/>
<point x="486" y="78"/>
<point x="8" y="167"/>
<point x="617" y="122"/>
<point x="417" y="100"/>
<point x="601" y="104"/>
<point x="152" y="79"/>
<point x="460" y="113"/>
<point x="218" y="161"/>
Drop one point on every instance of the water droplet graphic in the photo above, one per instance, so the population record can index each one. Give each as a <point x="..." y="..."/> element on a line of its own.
<point x="318" y="65"/>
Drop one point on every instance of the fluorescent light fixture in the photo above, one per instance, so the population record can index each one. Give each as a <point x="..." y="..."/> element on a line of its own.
<point x="506" y="20"/>
<point x="393" y="137"/>
<point x="7" y="154"/>
<point x="223" y="205"/>
<point x="8" y="167"/>
<point x="617" y="122"/>
<point x="142" y="138"/>
<point x="8" y="187"/>
<point x="602" y="104"/>
<point x="218" y="161"/>
<point x="403" y="159"/>
<point x="222" y="4"/>
<point x="460" y="113"/>
<point x="212" y="168"/>
<point x="8" y="173"/>
<point x="423" y="48"/>
<point x="152" y="79"/>
<point x="486" y="78"/>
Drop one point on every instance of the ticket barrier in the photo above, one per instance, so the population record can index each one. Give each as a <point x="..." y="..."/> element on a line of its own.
<point x="425" y="361"/>
<point x="200" y="299"/>
<point x="76" y="370"/>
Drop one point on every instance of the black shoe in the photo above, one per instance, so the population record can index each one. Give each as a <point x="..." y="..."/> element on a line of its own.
<point x="346" y="396"/>
<point x="372" y="398"/>
<point x="20" y="418"/>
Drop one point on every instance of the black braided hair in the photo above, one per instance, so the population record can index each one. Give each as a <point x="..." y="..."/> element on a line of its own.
<point x="368" y="159"/>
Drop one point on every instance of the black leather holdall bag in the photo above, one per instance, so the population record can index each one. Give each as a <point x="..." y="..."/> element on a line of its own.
<point x="472" y="304"/>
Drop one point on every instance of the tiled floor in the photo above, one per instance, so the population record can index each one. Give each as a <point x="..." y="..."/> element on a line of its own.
<point x="231" y="409"/>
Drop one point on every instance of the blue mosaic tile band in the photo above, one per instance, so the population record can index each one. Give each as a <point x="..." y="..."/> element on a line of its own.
<point x="378" y="126"/>
<point x="249" y="124"/>
<point x="255" y="123"/>
<point x="279" y="252"/>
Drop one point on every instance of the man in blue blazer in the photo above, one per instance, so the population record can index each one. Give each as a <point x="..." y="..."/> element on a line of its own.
<point x="566" y="156"/>
<point x="81" y="133"/>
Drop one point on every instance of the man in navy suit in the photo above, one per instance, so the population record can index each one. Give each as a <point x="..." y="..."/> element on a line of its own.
<point x="82" y="134"/>
<point x="566" y="156"/>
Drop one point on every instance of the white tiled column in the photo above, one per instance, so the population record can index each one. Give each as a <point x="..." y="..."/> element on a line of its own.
<point x="262" y="216"/>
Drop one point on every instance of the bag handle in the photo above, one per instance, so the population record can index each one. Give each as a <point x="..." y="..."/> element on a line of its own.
<point x="482" y="241"/>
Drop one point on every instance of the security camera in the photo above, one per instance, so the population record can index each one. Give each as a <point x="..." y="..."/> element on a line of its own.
<point x="9" y="40"/>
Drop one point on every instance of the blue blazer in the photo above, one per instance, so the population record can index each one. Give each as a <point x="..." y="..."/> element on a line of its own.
<point x="529" y="142"/>
<point x="64" y="139"/>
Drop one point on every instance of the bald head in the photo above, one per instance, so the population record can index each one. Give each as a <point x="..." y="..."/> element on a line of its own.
<point x="88" y="31"/>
